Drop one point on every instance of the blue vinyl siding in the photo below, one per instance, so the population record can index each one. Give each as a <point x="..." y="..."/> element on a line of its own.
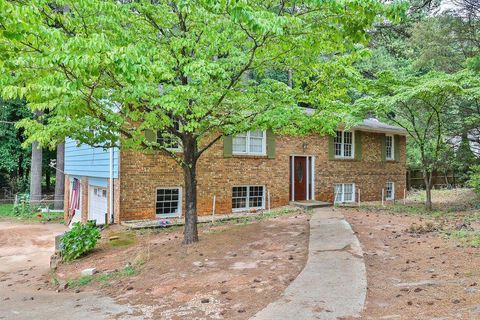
<point x="84" y="160"/>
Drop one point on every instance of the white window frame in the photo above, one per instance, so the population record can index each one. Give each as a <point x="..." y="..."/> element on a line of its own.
<point x="247" y="147"/>
<point x="392" y="148"/>
<point x="169" y="215"/>
<point x="248" y="208"/>
<point x="342" y="200"/>
<point x="392" y="196"/>
<point x="179" y="142"/>
<point x="342" y="146"/>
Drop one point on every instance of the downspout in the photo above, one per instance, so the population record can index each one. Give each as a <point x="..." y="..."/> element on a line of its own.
<point x="111" y="186"/>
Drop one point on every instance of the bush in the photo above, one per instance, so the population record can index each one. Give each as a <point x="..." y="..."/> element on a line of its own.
<point x="475" y="179"/>
<point x="79" y="240"/>
<point x="22" y="208"/>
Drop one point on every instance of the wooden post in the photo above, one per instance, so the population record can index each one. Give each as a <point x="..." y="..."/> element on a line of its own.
<point x="404" y="195"/>
<point x="383" y="193"/>
<point x="213" y="209"/>
<point x="358" y="196"/>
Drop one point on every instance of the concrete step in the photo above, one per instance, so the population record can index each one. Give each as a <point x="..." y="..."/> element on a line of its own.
<point x="310" y="204"/>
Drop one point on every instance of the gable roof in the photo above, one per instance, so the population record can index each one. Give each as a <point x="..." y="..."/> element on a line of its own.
<point x="372" y="125"/>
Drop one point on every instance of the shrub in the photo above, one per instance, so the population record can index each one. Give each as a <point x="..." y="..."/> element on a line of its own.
<point x="79" y="240"/>
<point x="22" y="208"/>
<point x="475" y="179"/>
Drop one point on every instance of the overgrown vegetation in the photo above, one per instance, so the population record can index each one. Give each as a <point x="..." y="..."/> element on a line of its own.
<point x="475" y="179"/>
<point x="79" y="240"/>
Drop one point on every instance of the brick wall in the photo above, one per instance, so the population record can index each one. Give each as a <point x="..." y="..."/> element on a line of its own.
<point x="141" y="174"/>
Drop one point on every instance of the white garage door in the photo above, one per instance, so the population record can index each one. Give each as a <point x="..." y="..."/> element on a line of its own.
<point x="97" y="207"/>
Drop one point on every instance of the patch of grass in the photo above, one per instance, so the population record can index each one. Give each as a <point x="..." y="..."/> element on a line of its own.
<point x="79" y="282"/>
<point x="466" y="237"/>
<point x="128" y="271"/>
<point x="123" y="239"/>
<point x="103" y="278"/>
<point x="6" y="210"/>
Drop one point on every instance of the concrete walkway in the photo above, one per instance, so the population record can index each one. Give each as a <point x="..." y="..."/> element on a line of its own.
<point x="333" y="283"/>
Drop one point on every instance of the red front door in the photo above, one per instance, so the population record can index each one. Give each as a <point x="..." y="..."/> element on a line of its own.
<point x="300" y="178"/>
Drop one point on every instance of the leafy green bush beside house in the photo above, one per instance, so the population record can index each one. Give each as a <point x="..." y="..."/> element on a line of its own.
<point x="79" y="240"/>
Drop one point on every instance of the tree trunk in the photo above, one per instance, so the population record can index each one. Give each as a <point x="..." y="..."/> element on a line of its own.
<point x="36" y="173"/>
<point x="48" y="177"/>
<point x="290" y="78"/>
<point x="59" y="177"/>
<point x="190" y="232"/>
<point x="427" y="178"/>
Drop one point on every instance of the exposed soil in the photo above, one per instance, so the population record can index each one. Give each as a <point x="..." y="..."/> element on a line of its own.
<point x="415" y="275"/>
<point x="232" y="273"/>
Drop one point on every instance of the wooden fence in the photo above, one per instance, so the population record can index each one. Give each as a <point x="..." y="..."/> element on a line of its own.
<point x="439" y="180"/>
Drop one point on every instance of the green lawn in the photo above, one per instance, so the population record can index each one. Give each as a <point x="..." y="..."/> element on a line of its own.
<point x="6" y="212"/>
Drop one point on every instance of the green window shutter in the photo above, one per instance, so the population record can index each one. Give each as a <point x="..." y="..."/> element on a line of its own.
<point x="331" y="148"/>
<point x="151" y="135"/>
<point x="271" y="144"/>
<point x="227" y="146"/>
<point x="396" y="147"/>
<point x="358" y="145"/>
<point x="382" y="147"/>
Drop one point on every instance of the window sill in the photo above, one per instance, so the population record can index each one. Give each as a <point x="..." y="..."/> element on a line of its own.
<point x="344" y="159"/>
<point x="250" y="156"/>
<point x="247" y="210"/>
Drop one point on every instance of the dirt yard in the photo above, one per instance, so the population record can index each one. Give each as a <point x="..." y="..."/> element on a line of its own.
<point x="417" y="265"/>
<point x="234" y="271"/>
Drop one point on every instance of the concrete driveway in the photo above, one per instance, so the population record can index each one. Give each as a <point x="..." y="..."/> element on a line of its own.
<point x="25" y="251"/>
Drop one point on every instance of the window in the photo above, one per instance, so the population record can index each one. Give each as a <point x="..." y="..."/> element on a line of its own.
<point x="390" y="191"/>
<point x="251" y="142"/>
<point x="168" y="140"/>
<point x="100" y="192"/>
<point x="344" y="192"/>
<point x="389" y="155"/>
<point x="248" y="197"/>
<point x="168" y="202"/>
<point x="343" y="143"/>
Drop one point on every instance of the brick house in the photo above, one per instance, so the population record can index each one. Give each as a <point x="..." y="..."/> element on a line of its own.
<point x="241" y="172"/>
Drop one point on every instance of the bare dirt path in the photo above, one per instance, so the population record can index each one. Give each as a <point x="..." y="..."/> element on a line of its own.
<point x="25" y="251"/>
<point x="415" y="275"/>
<point x="235" y="270"/>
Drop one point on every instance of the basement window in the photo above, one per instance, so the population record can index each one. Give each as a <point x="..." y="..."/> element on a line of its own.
<point x="245" y="198"/>
<point x="168" y="202"/>
<point x="344" y="192"/>
<point x="343" y="143"/>
<point x="390" y="191"/>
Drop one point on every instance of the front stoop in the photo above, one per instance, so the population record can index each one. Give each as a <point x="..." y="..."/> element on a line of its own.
<point x="310" y="204"/>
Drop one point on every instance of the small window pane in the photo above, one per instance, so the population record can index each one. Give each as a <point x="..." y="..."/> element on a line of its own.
<point x="390" y="195"/>
<point x="338" y="143"/>
<point x="240" y="144"/>
<point x="239" y="197"/>
<point x="257" y="134"/>
<point x="389" y="147"/>
<point x="255" y="199"/>
<point x="256" y="145"/>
